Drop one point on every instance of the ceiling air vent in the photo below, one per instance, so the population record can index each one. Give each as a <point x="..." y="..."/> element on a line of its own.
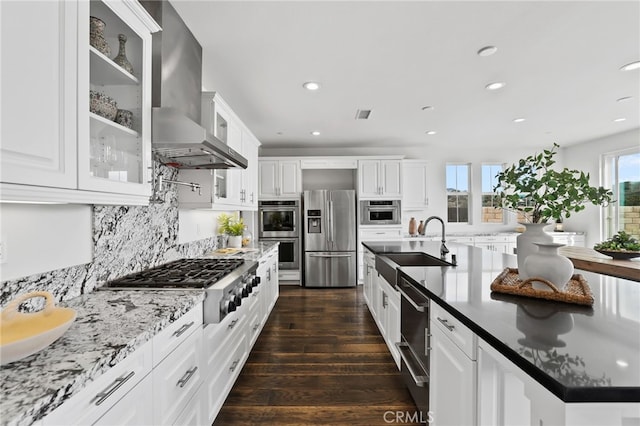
<point x="363" y="114"/>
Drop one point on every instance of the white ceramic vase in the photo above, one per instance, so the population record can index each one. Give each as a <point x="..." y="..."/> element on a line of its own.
<point x="534" y="233"/>
<point x="235" y="241"/>
<point x="548" y="264"/>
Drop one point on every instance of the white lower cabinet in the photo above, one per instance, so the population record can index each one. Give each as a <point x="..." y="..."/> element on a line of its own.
<point x="452" y="393"/>
<point x="223" y="372"/>
<point x="508" y="396"/>
<point x="369" y="276"/>
<point x="383" y="301"/>
<point x="390" y="317"/>
<point x="112" y="391"/>
<point x="176" y="379"/>
<point x="134" y="409"/>
<point x="194" y="414"/>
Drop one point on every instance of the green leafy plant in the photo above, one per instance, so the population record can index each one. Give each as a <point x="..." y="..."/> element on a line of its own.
<point x="619" y="242"/>
<point x="534" y="188"/>
<point x="230" y="224"/>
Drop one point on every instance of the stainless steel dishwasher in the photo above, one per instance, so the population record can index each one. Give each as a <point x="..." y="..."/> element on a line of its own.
<point x="414" y="345"/>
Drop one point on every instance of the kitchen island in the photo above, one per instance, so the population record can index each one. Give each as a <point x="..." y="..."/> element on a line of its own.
<point x="578" y="354"/>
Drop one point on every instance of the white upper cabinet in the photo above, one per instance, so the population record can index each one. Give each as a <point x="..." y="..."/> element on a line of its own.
<point x="224" y="188"/>
<point x="53" y="148"/>
<point x="39" y="93"/>
<point x="414" y="176"/>
<point x="380" y="179"/>
<point x="279" y="179"/>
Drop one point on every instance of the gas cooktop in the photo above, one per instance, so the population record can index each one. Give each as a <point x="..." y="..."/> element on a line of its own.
<point x="183" y="273"/>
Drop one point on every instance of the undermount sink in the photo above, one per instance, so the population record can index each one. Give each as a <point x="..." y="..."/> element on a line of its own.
<point x="386" y="263"/>
<point x="416" y="259"/>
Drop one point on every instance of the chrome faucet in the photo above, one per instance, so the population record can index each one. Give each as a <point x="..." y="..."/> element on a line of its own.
<point x="443" y="248"/>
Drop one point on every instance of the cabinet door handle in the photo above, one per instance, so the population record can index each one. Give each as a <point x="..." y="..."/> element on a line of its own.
<point x="117" y="383"/>
<point x="234" y="365"/>
<point x="187" y="376"/>
<point x="255" y="327"/>
<point x="179" y="332"/>
<point x="232" y="324"/>
<point x="446" y="324"/>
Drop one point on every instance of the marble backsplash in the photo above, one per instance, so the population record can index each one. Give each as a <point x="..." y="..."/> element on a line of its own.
<point x="126" y="239"/>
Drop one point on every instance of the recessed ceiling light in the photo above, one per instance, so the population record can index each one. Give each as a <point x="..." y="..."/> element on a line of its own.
<point x="631" y="66"/>
<point x="427" y="108"/>
<point x="315" y="133"/>
<point x="519" y="120"/>
<point x="619" y="120"/>
<point x="487" y="51"/>
<point x="625" y="98"/>
<point x="495" y="85"/>
<point x="431" y="132"/>
<point x="311" y="85"/>
<point x="622" y="363"/>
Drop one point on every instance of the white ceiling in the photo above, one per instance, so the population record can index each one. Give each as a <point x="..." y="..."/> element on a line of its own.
<point x="560" y="60"/>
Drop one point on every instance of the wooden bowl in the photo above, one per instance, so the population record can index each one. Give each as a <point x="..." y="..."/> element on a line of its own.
<point x="620" y="255"/>
<point x="23" y="334"/>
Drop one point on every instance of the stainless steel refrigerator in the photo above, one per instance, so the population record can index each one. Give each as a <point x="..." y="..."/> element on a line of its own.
<point x="330" y="258"/>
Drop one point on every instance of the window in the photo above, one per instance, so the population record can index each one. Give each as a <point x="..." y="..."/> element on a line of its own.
<point x="622" y="175"/>
<point x="490" y="213"/>
<point x="458" y="193"/>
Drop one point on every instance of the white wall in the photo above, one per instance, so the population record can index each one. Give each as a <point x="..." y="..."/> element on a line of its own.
<point x="38" y="238"/>
<point x="587" y="157"/>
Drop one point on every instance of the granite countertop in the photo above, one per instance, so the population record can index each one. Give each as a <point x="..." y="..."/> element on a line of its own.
<point x="253" y="252"/>
<point x="604" y="339"/>
<point x="109" y="326"/>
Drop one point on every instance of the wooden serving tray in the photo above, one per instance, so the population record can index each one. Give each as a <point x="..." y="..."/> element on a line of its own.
<point x="575" y="291"/>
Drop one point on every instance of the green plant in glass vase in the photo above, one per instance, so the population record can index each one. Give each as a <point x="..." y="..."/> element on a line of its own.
<point x="534" y="188"/>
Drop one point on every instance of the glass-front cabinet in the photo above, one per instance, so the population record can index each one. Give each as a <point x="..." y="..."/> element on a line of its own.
<point x="115" y="140"/>
<point x="76" y="118"/>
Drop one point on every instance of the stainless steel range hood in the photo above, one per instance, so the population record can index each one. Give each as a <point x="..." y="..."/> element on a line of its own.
<point x="177" y="137"/>
<point x="179" y="141"/>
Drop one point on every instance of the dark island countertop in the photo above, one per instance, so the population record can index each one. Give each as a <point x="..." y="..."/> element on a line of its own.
<point x="604" y="339"/>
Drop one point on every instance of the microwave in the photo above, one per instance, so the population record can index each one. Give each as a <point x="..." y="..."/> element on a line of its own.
<point x="380" y="212"/>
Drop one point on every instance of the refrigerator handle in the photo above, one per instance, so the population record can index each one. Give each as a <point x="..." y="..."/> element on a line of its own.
<point x="332" y="219"/>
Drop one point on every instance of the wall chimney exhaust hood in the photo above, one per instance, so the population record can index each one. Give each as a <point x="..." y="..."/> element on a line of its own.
<point x="180" y="142"/>
<point x="177" y="138"/>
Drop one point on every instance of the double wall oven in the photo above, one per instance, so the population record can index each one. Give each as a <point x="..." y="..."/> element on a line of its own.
<point x="279" y="221"/>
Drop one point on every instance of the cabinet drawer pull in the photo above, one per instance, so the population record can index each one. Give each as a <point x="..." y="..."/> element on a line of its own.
<point x="446" y="324"/>
<point x="234" y="366"/>
<point x="179" y="332"/>
<point x="255" y="327"/>
<point x="117" y="383"/>
<point x="187" y="376"/>
<point x="232" y="323"/>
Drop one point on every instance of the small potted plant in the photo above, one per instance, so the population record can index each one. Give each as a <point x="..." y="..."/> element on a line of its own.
<point x="540" y="193"/>
<point x="233" y="227"/>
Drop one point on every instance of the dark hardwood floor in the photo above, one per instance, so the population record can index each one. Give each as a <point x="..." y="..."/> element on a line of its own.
<point x="319" y="360"/>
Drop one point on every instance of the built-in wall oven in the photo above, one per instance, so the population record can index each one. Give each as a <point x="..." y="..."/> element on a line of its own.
<point x="279" y="220"/>
<point x="380" y="212"/>
<point x="414" y="345"/>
